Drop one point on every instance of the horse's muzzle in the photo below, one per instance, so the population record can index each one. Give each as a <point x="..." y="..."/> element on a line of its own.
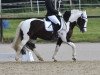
<point x="83" y="29"/>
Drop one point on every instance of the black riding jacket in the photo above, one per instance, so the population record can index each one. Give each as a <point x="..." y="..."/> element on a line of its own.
<point x="50" y="8"/>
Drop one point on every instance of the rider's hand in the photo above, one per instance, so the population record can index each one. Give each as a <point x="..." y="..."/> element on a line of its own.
<point x="59" y="14"/>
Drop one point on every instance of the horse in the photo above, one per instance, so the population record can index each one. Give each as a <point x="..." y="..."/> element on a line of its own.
<point x="29" y="30"/>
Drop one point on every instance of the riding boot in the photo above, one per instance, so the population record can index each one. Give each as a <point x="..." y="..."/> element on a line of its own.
<point x="56" y="27"/>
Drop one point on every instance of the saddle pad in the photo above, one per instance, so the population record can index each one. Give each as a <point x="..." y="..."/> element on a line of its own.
<point x="48" y="25"/>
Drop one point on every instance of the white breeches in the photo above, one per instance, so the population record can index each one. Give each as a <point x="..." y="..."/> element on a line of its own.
<point x="54" y="19"/>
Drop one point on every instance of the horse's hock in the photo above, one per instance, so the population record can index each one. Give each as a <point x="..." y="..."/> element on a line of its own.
<point x="50" y="68"/>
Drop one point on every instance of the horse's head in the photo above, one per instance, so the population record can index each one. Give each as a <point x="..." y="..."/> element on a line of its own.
<point x="78" y="16"/>
<point x="82" y="21"/>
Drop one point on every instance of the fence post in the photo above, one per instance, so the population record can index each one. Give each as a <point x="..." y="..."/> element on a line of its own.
<point x="71" y="4"/>
<point x="1" y="30"/>
<point x="80" y="4"/>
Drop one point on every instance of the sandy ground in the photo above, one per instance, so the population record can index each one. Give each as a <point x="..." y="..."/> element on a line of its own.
<point x="88" y="61"/>
<point x="50" y="68"/>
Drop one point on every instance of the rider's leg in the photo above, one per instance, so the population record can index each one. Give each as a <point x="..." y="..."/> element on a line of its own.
<point x="56" y="25"/>
<point x="54" y="19"/>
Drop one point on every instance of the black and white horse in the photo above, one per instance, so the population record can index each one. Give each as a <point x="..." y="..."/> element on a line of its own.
<point x="31" y="29"/>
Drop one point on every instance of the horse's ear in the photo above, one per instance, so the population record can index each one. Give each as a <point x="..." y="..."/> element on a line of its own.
<point x="84" y="11"/>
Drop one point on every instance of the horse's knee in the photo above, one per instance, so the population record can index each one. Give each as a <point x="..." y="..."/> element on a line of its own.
<point x="72" y="45"/>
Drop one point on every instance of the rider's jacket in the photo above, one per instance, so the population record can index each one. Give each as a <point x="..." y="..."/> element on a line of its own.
<point x="50" y="8"/>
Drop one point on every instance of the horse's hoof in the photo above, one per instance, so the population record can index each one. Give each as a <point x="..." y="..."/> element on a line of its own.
<point x="74" y="59"/>
<point x="55" y="60"/>
<point x="17" y="59"/>
<point x="41" y="59"/>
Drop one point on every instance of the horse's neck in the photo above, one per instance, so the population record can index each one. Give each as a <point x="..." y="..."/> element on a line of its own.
<point x="74" y="15"/>
<point x="67" y="25"/>
<point x="64" y="25"/>
<point x="72" y="25"/>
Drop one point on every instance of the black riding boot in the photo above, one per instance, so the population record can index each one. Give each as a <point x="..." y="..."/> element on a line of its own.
<point x="56" y="27"/>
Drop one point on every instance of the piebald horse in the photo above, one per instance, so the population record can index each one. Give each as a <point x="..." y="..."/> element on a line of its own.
<point x="31" y="29"/>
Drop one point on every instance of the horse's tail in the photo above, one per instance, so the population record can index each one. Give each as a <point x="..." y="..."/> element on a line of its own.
<point x="17" y="39"/>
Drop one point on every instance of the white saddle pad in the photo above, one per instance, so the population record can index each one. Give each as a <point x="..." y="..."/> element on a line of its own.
<point x="48" y="25"/>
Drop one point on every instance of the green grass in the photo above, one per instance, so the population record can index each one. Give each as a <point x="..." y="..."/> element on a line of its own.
<point x="90" y="12"/>
<point x="9" y="33"/>
<point x="93" y="11"/>
<point x="22" y="15"/>
<point x="92" y="35"/>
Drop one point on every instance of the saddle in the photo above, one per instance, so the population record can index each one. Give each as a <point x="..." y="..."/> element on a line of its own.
<point x="63" y="29"/>
<point x="49" y="25"/>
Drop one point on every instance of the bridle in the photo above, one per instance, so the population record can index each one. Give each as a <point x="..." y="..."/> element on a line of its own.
<point x="82" y="16"/>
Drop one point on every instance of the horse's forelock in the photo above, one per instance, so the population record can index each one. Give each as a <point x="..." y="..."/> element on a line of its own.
<point x="84" y="14"/>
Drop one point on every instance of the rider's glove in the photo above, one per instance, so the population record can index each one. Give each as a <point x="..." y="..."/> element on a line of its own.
<point x="59" y="14"/>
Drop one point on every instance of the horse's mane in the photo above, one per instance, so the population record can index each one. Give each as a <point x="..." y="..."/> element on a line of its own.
<point x="75" y="14"/>
<point x="76" y="11"/>
<point x="68" y="14"/>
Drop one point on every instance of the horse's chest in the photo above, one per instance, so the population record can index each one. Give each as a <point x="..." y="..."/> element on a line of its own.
<point x="63" y="32"/>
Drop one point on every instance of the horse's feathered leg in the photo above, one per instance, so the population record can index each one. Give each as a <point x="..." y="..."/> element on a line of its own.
<point x="29" y="55"/>
<point x="17" y="55"/>
<point x="59" y="42"/>
<point x="38" y="55"/>
<point x="23" y="42"/>
<point x="73" y="49"/>
<point x="17" y="41"/>
<point x="32" y="47"/>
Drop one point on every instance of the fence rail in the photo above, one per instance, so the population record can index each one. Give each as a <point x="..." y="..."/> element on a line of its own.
<point x="1" y="27"/>
<point x="38" y="5"/>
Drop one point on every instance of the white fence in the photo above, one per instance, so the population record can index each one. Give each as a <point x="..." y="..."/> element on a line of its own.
<point x="40" y="6"/>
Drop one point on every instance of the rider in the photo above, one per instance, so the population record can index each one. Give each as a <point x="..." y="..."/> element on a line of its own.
<point x="53" y="15"/>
